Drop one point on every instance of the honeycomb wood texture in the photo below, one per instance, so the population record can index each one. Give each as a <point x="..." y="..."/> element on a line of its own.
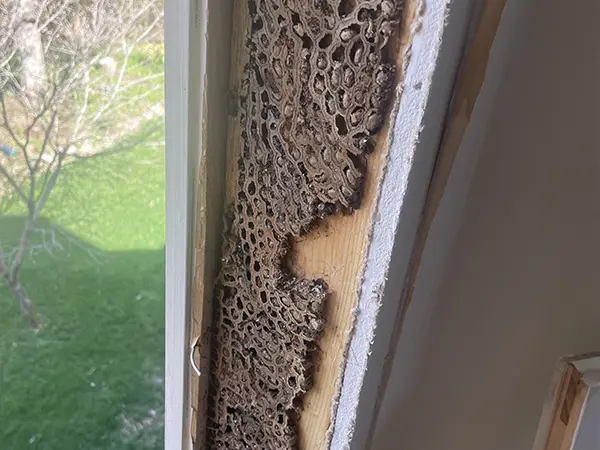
<point x="314" y="91"/>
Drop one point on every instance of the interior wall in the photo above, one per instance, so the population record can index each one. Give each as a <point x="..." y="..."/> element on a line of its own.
<point x="521" y="286"/>
<point x="588" y="435"/>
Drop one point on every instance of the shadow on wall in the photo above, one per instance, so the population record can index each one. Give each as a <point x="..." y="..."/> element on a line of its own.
<point x="93" y="376"/>
<point x="521" y="287"/>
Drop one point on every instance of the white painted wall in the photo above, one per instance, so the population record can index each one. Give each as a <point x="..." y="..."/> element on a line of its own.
<point x="522" y="281"/>
<point x="588" y="435"/>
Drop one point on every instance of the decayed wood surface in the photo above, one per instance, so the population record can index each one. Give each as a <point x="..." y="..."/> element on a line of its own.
<point x="239" y="58"/>
<point x="209" y="194"/>
<point x="334" y="251"/>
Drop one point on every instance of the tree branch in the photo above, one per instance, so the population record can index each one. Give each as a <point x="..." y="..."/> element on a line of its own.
<point x="127" y="53"/>
<point x="14" y="184"/>
<point x="48" y="188"/>
<point x="121" y="149"/>
<point x="7" y="123"/>
<point x="83" y="109"/>
<point x="18" y="259"/>
<point x="70" y="38"/>
<point x="47" y="133"/>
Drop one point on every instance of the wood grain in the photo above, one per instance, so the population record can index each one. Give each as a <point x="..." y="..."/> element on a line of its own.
<point x="548" y="429"/>
<point x="239" y="58"/>
<point x="210" y="191"/>
<point x="575" y="414"/>
<point x="567" y="410"/>
<point x="334" y="250"/>
<point x="557" y="428"/>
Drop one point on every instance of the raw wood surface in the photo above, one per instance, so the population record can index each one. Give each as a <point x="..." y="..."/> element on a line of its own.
<point x="567" y="409"/>
<point x="334" y="251"/>
<point x="216" y="18"/>
<point x="239" y="58"/>
<point x="551" y="402"/>
<point x="575" y="413"/>
<point x="557" y="428"/>
<point x="548" y="429"/>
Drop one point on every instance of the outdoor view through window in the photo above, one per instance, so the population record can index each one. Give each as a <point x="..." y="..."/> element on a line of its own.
<point x="82" y="224"/>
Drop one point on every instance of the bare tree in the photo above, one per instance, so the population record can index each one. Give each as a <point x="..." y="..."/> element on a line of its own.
<point x="63" y="82"/>
<point x="29" y="47"/>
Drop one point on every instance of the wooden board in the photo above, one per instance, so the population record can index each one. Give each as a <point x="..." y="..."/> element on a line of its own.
<point x="334" y="251"/>
<point x="553" y="432"/>
<point x="213" y="19"/>
<point x="567" y="410"/>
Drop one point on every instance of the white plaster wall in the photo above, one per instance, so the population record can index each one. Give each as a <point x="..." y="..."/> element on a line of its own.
<point x="522" y="284"/>
<point x="588" y="435"/>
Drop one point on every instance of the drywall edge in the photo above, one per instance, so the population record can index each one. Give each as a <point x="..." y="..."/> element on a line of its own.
<point x="447" y="223"/>
<point x="439" y="34"/>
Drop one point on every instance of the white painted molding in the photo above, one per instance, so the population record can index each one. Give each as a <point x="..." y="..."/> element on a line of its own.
<point x="185" y="49"/>
<point x="590" y="368"/>
<point x="414" y="140"/>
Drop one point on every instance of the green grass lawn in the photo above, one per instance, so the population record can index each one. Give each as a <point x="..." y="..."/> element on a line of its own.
<point x="93" y="377"/>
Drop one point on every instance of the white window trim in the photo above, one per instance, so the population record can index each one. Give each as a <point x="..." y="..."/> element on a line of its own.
<point x="185" y="50"/>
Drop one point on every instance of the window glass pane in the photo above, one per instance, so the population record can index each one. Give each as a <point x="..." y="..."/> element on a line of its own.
<point x="82" y="224"/>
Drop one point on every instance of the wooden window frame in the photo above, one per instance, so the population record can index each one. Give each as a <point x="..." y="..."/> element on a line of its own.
<point x="186" y="55"/>
<point x="186" y="42"/>
<point x="568" y="411"/>
<point x="196" y="125"/>
<point x="564" y="409"/>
